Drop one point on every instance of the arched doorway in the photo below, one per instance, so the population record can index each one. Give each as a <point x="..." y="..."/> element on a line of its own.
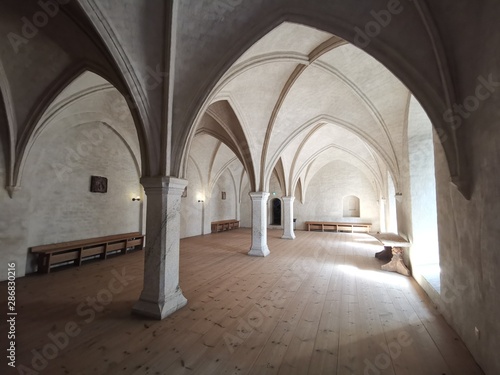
<point x="276" y="211"/>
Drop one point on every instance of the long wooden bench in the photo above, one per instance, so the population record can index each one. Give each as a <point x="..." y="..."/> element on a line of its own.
<point x="77" y="251"/>
<point x="337" y="226"/>
<point x="223" y="225"/>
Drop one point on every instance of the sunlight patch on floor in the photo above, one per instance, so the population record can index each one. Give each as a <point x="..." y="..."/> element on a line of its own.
<point x="388" y="278"/>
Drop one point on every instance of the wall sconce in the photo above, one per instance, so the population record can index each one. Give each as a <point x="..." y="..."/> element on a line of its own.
<point x="136" y="199"/>
<point x="200" y="201"/>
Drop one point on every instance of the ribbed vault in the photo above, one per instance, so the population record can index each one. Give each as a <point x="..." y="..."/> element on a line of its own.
<point x="299" y="98"/>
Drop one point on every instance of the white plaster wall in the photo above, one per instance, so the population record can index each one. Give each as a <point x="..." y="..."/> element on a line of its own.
<point x="425" y="245"/>
<point x="191" y="209"/>
<point x="246" y="206"/>
<point x="392" y="216"/>
<point x="326" y="191"/>
<point x="223" y="209"/>
<point x="469" y="237"/>
<point x="212" y="169"/>
<point x="55" y="203"/>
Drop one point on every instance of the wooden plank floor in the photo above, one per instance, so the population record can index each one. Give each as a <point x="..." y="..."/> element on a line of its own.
<point x="316" y="305"/>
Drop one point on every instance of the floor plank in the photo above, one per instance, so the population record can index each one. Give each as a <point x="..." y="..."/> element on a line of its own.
<point x="317" y="305"/>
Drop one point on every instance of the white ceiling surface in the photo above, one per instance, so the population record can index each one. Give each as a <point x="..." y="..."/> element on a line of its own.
<point x="342" y="105"/>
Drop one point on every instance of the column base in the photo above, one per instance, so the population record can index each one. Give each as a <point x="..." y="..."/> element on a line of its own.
<point x="160" y="309"/>
<point x="263" y="252"/>
<point x="288" y="237"/>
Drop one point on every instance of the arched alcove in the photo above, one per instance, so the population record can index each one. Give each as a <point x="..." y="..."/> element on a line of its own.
<point x="351" y="206"/>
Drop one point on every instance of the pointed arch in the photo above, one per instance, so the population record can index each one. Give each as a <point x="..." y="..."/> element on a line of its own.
<point x="428" y="93"/>
<point x="226" y="126"/>
<point x="36" y="123"/>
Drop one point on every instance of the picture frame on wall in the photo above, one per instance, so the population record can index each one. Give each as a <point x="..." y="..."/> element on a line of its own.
<point x="98" y="184"/>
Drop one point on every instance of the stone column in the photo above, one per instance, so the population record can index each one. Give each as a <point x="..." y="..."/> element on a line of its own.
<point x="259" y="224"/>
<point x="288" y="233"/>
<point x="161" y="294"/>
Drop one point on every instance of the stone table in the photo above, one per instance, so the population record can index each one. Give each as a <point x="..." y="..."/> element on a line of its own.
<point x="393" y="250"/>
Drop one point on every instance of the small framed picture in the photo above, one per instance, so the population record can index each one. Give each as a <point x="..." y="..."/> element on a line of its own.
<point x="98" y="184"/>
<point x="223" y="195"/>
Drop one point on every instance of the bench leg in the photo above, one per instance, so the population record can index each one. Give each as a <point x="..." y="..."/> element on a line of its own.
<point x="104" y="255"/>
<point x="124" y="250"/>
<point x="44" y="263"/>
<point x="78" y="262"/>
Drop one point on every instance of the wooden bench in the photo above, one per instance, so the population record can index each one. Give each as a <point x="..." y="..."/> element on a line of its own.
<point x="77" y="251"/>
<point x="223" y="225"/>
<point x="337" y="226"/>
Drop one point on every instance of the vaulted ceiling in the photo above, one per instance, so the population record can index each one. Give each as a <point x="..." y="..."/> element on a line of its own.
<point x="300" y="98"/>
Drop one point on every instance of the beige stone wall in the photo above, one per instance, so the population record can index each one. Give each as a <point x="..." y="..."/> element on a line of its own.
<point x="223" y="209"/>
<point x="326" y="191"/>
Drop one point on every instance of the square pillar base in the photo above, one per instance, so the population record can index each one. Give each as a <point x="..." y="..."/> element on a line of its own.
<point x="160" y="309"/>
<point x="263" y="252"/>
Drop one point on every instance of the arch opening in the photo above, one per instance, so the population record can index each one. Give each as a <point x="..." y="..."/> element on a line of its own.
<point x="276" y="211"/>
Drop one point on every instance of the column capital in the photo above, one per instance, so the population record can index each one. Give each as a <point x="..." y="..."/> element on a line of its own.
<point x="259" y="195"/>
<point x="288" y="199"/>
<point x="172" y="185"/>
